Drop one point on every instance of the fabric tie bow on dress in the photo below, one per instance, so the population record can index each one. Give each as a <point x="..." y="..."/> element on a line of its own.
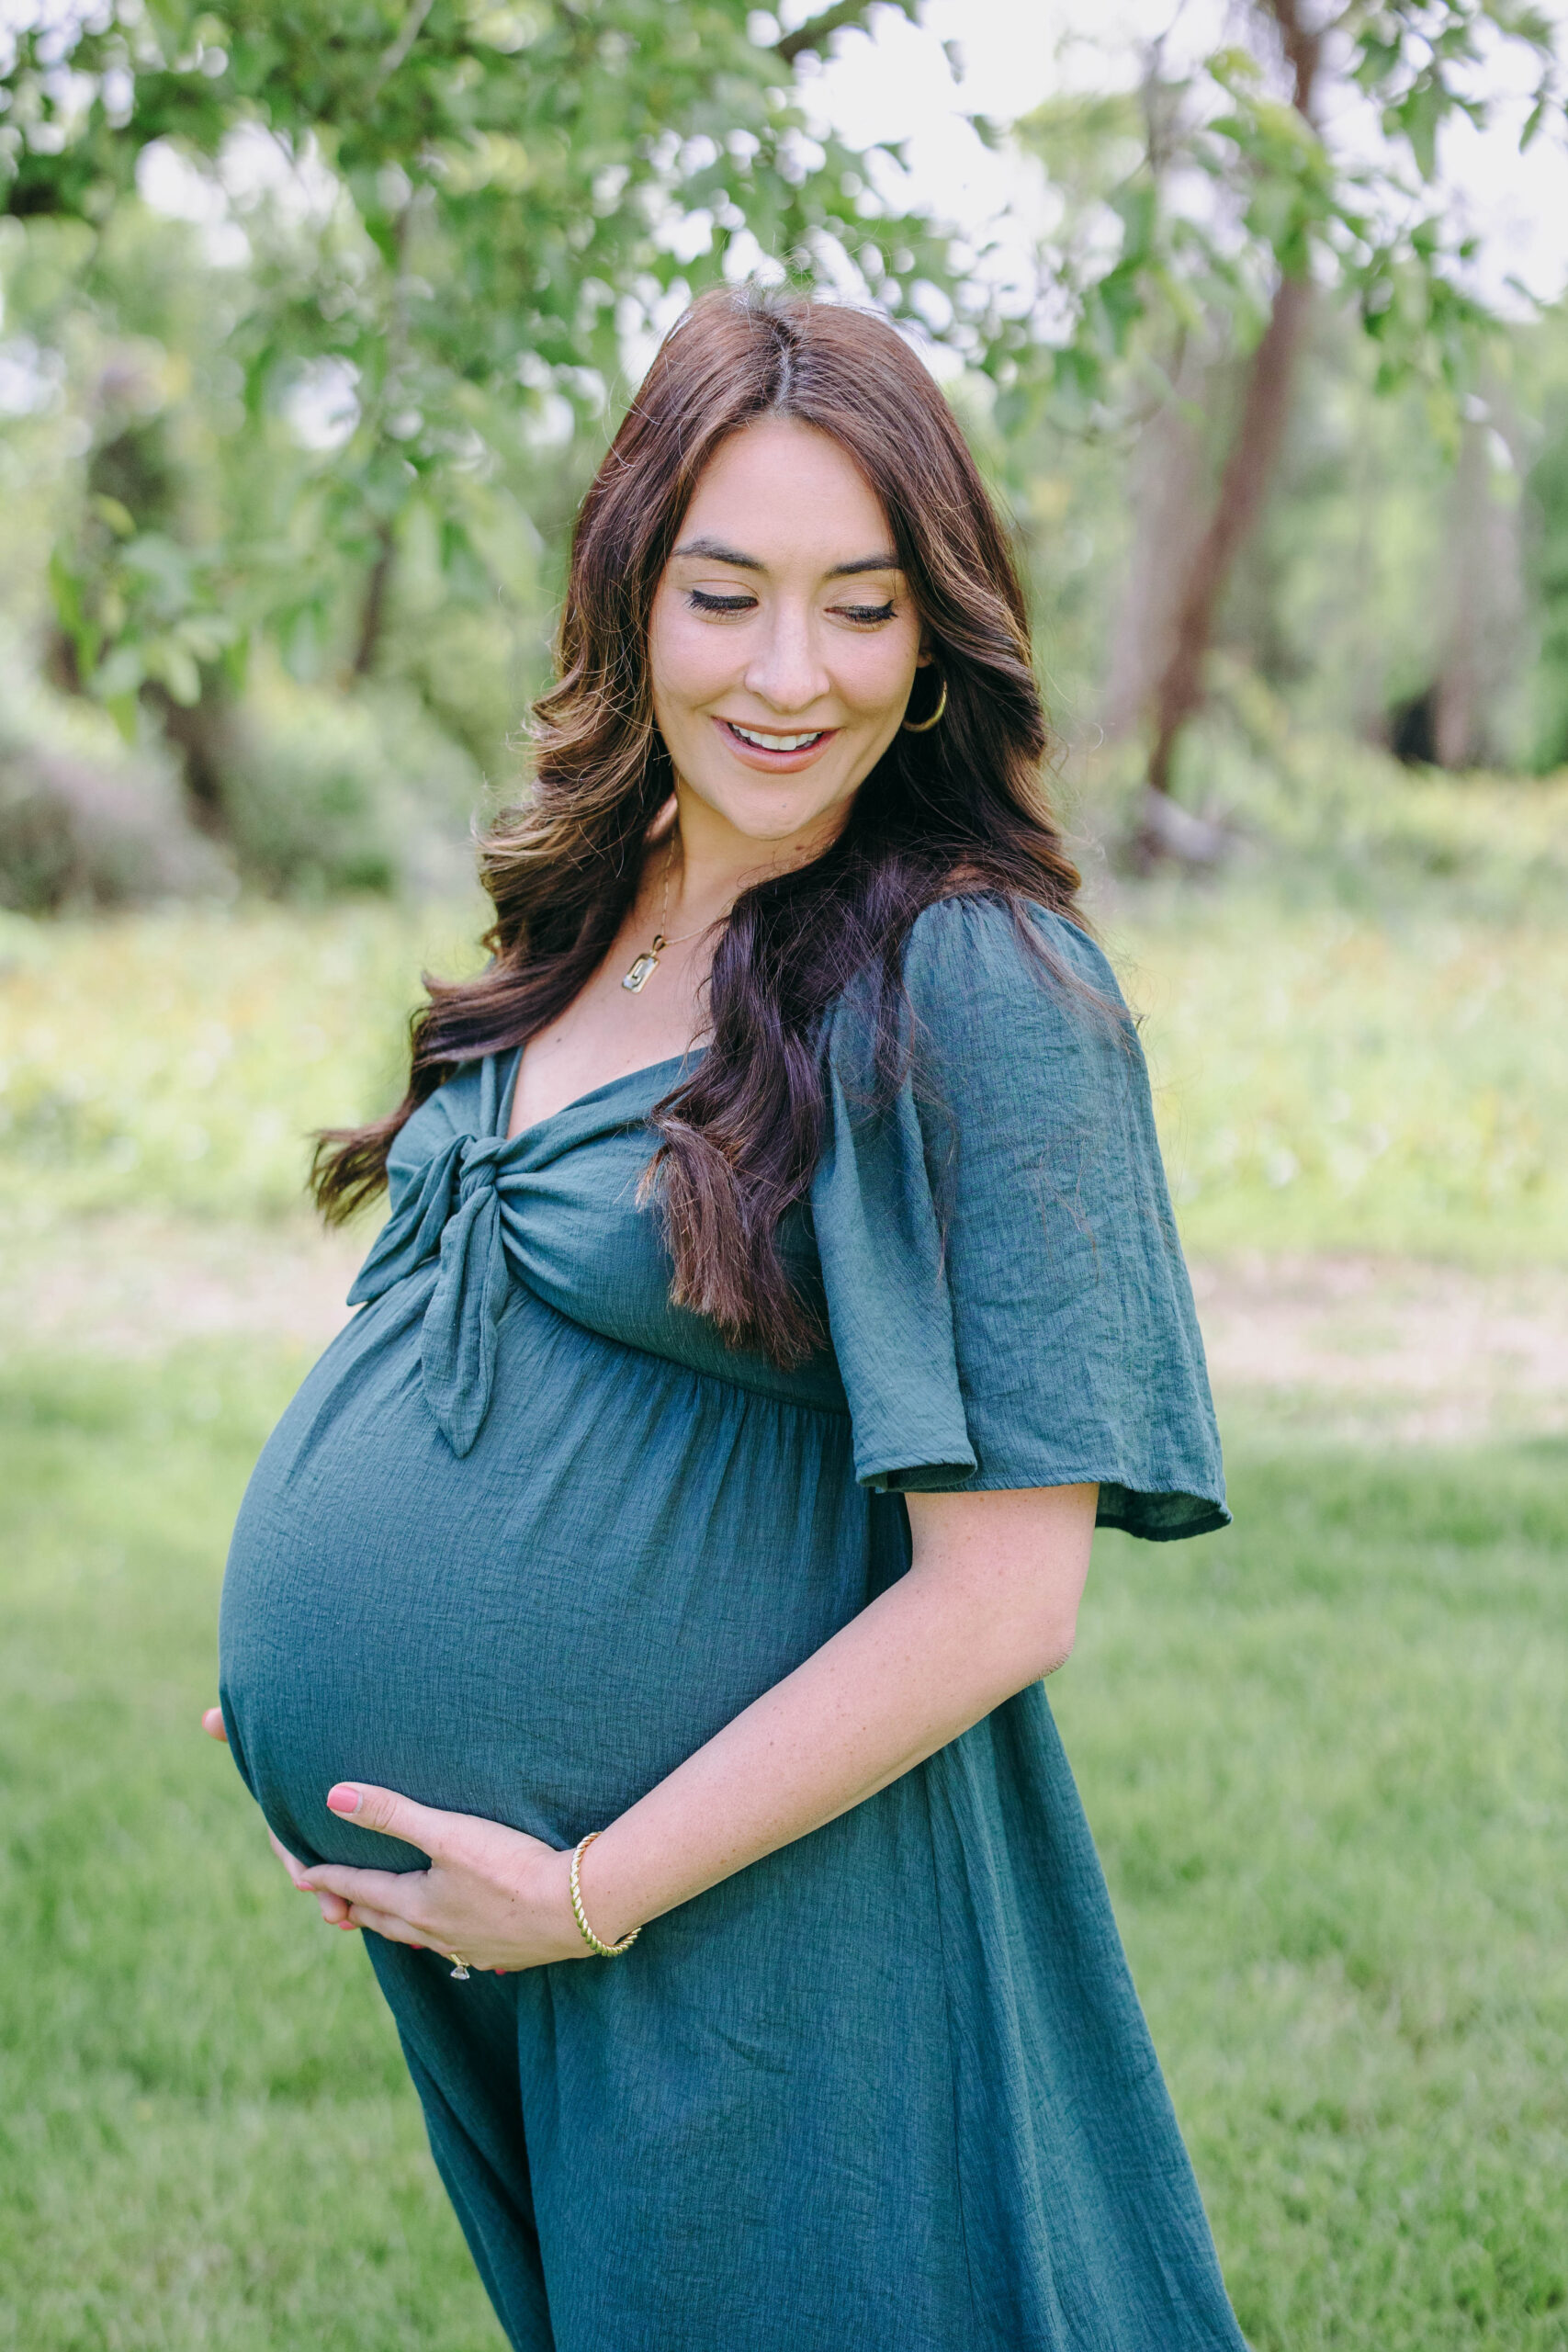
<point x="455" y="1209"/>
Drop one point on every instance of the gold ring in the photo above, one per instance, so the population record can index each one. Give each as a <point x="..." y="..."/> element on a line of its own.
<point x="460" y="1971"/>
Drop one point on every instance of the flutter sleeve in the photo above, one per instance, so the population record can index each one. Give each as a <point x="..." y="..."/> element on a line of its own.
<point x="1005" y="1289"/>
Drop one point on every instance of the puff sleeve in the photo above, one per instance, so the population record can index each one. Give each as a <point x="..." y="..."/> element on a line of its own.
<point x="1005" y="1289"/>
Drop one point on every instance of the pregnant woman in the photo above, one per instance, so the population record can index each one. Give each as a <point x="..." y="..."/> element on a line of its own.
<point x="636" y="1623"/>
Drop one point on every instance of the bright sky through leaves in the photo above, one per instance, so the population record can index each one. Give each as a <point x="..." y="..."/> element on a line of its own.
<point x="1014" y="53"/>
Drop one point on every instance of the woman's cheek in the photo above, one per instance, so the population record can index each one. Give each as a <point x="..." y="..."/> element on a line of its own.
<point x="880" y="685"/>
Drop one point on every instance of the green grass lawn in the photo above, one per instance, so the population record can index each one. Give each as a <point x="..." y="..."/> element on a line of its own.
<point x="206" y="2135"/>
<point x="1322" y="1753"/>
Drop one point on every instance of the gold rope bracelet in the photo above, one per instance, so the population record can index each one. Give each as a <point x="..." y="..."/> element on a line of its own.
<point x="604" y="1950"/>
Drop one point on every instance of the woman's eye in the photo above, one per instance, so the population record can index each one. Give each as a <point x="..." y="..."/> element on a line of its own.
<point x="866" y="613"/>
<point x="702" y="602"/>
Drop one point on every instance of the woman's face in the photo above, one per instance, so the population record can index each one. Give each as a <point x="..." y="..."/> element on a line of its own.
<point x="783" y="642"/>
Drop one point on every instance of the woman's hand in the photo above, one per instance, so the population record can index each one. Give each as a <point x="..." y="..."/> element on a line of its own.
<point x="499" y="1897"/>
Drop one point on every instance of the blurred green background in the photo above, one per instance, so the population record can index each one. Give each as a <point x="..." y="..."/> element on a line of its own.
<point x="314" y="326"/>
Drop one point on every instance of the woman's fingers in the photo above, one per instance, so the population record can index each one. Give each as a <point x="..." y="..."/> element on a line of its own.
<point x="395" y="1892"/>
<point x="212" y="1724"/>
<point x="394" y="1817"/>
<point x="396" y="1930"/>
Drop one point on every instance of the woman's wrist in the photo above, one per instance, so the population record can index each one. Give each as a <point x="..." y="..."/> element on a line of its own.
<point x="548" y="1894"/>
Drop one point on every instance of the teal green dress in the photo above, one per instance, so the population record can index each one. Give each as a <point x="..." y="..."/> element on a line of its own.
<point x="529" y="1534"/>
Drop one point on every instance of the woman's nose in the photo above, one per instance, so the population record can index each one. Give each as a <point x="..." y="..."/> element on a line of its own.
<point x="785" y="669"/>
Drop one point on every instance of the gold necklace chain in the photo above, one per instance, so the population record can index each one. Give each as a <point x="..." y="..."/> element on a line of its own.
<point x="644" y="966"/>
<point x="682" y="937"/>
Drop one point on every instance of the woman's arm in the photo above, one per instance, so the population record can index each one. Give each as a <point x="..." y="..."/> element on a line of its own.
<point x="989" y="1604"/>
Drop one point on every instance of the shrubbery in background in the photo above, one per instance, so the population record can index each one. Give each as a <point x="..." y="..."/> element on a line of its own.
<point x="1356" y="1040"/>
<point x="314" y="326"/>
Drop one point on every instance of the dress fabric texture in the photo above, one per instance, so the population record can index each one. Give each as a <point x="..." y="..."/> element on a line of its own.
<point x="528" y="1535"/>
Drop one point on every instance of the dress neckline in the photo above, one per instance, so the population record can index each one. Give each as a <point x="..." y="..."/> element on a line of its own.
<point x="579" y="1101"/>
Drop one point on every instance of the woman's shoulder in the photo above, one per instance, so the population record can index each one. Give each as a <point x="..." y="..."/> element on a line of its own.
<point x="1005" y="1004"/>
<point x="972" y="959"/>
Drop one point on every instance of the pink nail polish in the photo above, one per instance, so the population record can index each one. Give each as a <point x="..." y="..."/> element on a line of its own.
<point x="343" y="1800"/>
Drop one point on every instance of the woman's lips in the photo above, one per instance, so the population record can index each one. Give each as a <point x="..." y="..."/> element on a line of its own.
<point x="754" y="749"/>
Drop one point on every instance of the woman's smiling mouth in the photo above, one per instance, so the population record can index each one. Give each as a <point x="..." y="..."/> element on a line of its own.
<point x="775" y="747"/>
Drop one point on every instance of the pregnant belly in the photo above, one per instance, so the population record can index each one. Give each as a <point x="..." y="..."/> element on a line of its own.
<point x="540" y="1631"/>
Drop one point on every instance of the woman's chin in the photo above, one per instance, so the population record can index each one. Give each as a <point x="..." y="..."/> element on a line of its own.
<point x="763" y="810"/>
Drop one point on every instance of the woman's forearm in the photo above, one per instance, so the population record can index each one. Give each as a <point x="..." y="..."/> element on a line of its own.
<point x="988" y="1605"/>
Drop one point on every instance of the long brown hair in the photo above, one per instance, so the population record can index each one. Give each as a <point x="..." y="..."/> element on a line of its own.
<point x="959" y="808"/>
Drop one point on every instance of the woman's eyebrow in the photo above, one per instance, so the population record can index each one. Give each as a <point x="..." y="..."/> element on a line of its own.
<point x="715" y="551"/>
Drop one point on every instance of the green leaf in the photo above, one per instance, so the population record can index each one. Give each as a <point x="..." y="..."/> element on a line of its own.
<point x="120" y="676"/>
<point x="120" y="520"/>
<point x="125" y="710"/>
<point x="169" y="661"/>
<point x="1416" y="118"/>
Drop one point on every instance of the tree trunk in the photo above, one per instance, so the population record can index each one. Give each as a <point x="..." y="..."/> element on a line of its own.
<point x="204" y="734"/>
<point x="1486" y="619"/>
<point x="373" y="613"/>
<point x="1168" y="497"/>
<point x="1244" y="481"/>
<point x="1457" y="696"/>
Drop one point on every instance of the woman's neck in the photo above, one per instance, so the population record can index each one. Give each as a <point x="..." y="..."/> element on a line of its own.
<point x="712" y="862"/>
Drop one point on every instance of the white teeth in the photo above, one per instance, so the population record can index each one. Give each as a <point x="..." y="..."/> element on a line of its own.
<point x="775" y="742"/>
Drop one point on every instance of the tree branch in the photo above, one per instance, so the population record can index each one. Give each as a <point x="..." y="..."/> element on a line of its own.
<point x="413" y="25"/>
<point x="1303" y="45"/>
<point x="816" y="33"/>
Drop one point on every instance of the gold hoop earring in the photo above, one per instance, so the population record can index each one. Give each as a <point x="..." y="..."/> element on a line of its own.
<point x="924" y="725"/>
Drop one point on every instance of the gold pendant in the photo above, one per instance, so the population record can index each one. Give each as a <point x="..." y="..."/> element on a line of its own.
<point x="644" y="966"/>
